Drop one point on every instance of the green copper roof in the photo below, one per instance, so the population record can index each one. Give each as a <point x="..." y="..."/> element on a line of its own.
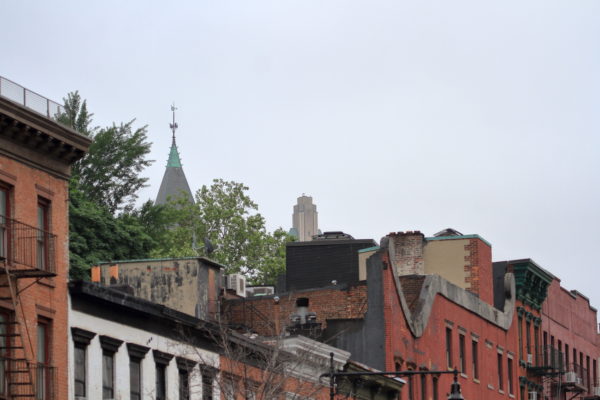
<point x="174" y="160"/>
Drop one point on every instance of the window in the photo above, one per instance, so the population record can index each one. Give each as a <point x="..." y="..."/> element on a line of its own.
<point x="42" y="361"/>
<point x="162" y="361"/>
<point x="80" y="370"/>
<point x="566" y="355"/>
<point x="184" y="367"/>
<point x="520" y="332"/>
<point x="135" y="378"/>
<point x="528" y="337"/>
<point x="136" y="355"/>
<point x="184" y="384"/>
<point x="435" y="388"/>
<point x="500" y="373"/>
<point x="4" y="214"/>
<point x="108" y="375"/>
<point x="475" y="357"/>
<point x="207" y="385"/>
<point x="536" y="342"/>
<point x="81" y="339"/>
<point x="42" y="236"/>
<point x="4" y="324"/>
<point x="423" y="387"/>
<point x="449" y="348"/>
<point x="161" y="382"/>
<point x="509" y="371"/>
<point x="462" y="360"/>
<point x="109" y="347"/>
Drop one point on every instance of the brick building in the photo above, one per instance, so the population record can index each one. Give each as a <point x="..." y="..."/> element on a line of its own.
<point x="437" y="303"/>
<point x="36" y="154"/>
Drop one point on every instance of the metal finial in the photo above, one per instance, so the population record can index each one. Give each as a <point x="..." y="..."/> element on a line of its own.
<point x="174" y="124"/>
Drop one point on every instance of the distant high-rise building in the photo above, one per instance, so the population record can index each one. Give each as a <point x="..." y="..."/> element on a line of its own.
<point x="173" y="184"/>
<point x="305" y="219"/>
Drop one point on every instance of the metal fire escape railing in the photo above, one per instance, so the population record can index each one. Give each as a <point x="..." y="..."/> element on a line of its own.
<point x="576" y="378"/>
<point x="26" y="249"/>
<point x="547" y="361"/>
<point x="25" y="252"/>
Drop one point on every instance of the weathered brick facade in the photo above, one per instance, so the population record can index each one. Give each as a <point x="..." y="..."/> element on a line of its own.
<point x="35" y="158"/>
<point x="500" y="325"/>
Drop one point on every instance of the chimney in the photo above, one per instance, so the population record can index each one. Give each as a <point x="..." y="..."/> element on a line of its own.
<point x="406" y="252"/>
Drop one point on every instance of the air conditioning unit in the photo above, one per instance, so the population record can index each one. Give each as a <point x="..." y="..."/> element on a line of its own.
<point x="532" y="395"/>
<point x="237" y="283"/>
<point x="596" y="391"/>
<point x="260" y="291"/>
<point x="529" y="358"/>
<point x="570" y="377"/>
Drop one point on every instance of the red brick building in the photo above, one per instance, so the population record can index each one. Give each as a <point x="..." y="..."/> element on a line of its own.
<point x="438" y="303"/>
<point x="36" y="154"/>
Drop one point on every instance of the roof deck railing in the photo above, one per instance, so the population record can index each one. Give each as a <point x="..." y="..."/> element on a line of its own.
<point x="30" y="99"/>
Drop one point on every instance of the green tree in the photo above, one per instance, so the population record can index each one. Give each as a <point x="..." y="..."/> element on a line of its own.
<point x="105" y="181"/>
<point x="225" y="215"/>
<point x="97" y="235"/>
<point x="110" y="173"/>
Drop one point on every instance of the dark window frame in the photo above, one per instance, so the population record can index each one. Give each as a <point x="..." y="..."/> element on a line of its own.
<point x="110" y="346"/>
<point x="449" y="360"/>
<point x="475" y="358"/>
<point x="462" y="353"/>
<point x="161" y="362"/>
<point x="81" y="340"/>
<point x="5" y="234"/>
<point x="136" y="356"/>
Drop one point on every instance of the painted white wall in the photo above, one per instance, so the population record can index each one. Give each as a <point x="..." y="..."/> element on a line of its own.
<point x="130" y="334"/>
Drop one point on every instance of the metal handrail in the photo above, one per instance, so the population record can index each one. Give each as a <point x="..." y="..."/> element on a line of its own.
<point x="30" y="99"/>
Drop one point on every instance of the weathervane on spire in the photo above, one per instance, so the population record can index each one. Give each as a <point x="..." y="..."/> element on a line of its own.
<point x="174" y="124"/>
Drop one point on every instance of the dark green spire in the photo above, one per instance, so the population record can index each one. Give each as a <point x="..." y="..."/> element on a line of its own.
<point x="173" y="184"/>
<point x="174" y="160"/>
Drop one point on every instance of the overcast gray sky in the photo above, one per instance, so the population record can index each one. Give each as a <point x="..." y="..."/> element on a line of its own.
<point x="481" y="116"/>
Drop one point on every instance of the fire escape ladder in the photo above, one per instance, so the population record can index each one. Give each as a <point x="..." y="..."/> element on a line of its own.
<point x="16" y="347"/>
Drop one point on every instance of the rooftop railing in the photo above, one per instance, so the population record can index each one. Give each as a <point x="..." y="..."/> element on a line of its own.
<point x="36" y="102"/>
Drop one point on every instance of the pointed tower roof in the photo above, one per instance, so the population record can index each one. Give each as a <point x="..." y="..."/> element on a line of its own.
<point x="174" y="183"/>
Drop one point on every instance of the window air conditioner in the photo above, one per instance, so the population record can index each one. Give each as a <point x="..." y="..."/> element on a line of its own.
<point x="529" y="358"/>
<point x="236" y="282"/>
<point x="532" y="395"/>
<point x="570" y="377"/>
<point x="596" y="391"/>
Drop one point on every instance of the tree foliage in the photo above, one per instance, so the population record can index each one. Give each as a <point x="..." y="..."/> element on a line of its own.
<point x="226" y="216"/>
<point x="106" y="181"/>
<point x="110" y="173"/>
<point x="95" y="235"/>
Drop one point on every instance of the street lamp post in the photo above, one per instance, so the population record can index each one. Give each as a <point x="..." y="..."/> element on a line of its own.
<point x="455" y="392"/>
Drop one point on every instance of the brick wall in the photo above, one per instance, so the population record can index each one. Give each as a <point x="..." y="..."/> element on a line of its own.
<point x="478" y="266"/>
<point x="266" y="317"/>
<point x="47" y="300"/>
<point x="408" y="252"/>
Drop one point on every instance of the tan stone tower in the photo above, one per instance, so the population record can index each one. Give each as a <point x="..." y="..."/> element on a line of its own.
<point x="305" y="219"/>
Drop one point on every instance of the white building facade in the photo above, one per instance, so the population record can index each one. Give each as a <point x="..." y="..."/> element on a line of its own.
<point x="122" y="347"/>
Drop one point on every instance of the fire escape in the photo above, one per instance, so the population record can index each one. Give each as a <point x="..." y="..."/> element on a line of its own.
<point x="561" y="381"/>
<point x="26" y="256"/>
